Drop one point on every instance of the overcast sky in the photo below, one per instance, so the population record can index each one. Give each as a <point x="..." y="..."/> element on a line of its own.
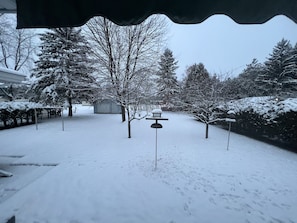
<point x="225" y="47"/>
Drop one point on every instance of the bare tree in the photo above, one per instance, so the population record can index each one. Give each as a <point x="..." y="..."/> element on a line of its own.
<point x="208" y="98"/>
<point x="3" y="38"/>
<point x="138" y="95"/>
<point x="17" y="46"/>
<point x="202" y="94"/>
<point x="125" y="55"/>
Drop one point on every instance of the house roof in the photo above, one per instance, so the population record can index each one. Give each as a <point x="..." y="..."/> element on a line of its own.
<point x="8" y="76"/>
<point x="62" y="13"/>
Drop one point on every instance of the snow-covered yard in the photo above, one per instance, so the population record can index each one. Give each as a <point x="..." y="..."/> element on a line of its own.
<point x="92" y="172"/>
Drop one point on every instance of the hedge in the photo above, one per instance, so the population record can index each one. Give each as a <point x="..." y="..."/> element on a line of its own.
<point x="13" y="114"/>
<point x="264" y="118"/>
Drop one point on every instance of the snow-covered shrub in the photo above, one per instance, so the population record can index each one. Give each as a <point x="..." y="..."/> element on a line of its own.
<point x="266" y="118"/>
<point x="285" y="128"/>
<point x="17" y="113"/>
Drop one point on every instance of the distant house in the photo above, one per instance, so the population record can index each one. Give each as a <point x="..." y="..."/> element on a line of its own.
<point x="107" y="106"/>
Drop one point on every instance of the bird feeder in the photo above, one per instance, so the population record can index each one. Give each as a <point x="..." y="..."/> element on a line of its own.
<point x="156" y="126"/>
<point x="157" y="113"/>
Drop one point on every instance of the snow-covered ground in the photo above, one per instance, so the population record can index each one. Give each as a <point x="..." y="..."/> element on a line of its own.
<point x="92" y="172"/>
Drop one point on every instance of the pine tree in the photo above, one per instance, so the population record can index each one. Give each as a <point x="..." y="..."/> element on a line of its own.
<point x="196" y="79"/>
<point x="63" y="72"/>
<point x="232" y="89"/>
<point x="273" y="77"/>
<point x="246" y="81"/>
<point x="290" y="73"/>
<point x="167" y="83"/>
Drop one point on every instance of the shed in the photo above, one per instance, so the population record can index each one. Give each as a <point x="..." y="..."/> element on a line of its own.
<point x="107" y="106"/>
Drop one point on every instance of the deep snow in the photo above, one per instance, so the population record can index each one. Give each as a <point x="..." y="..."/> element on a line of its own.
<point x="92" y="172"/>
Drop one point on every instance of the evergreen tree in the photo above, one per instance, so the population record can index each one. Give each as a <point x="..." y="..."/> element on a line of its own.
<point x="63" y="72"/>
<point x="197" y="77"/>
<point x="274" y="76"/>
<point x="167" y="83"/>
<point x="290" y="73"/>
<point x="196" y="73"/>
<point x="246" y="81"/>
<point x="232" y="88"/>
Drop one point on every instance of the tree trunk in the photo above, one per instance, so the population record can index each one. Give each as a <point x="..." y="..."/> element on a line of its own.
<point x="129" y="124"/>
<point x="129" y="129"/>
<point x="15" y="121"/>
<point x="123" y="113"/>
<point x="70" y="114"/>
<point x="206" y="130"/>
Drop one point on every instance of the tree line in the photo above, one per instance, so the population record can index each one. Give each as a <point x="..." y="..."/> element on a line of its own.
<point x="277" y="76"/>
<point x="201" y="93"/>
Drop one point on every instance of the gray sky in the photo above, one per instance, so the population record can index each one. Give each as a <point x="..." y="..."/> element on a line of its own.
<point x="225" y="47"/>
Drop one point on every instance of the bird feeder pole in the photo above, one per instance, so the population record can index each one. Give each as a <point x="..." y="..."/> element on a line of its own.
<point x="156" y="116"/>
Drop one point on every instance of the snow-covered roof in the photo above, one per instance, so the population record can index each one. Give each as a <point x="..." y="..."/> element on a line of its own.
<point x="11" y="76"/>
<point x="157" y="110"/>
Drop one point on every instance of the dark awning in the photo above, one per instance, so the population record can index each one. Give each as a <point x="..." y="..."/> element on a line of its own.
<point x="62" y="13"/>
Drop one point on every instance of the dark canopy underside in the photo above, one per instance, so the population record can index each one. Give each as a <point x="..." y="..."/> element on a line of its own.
<point x="63" y="13"/>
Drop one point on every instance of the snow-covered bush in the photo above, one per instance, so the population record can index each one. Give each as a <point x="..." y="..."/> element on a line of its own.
<point x="265" y="118"/>
<point x="17" y="113"/>
<point x="19" y="105"/>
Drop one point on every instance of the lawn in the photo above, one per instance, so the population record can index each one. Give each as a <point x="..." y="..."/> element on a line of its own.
<point x="91" y="172"/>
